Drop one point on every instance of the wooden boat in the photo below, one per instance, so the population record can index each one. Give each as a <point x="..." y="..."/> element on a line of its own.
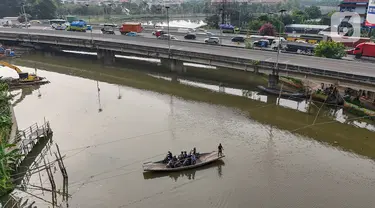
<point x="284" y="93"/>
<point x="291" y="82"/>
<point x="362" y="102"/>
<point x="204" y="159"/>
<point x="355" y="109"/>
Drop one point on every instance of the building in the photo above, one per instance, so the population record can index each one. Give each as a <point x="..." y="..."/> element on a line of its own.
<point x="358" y="6"/>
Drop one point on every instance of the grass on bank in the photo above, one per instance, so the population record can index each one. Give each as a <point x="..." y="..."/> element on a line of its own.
<point x="326" y="130"/>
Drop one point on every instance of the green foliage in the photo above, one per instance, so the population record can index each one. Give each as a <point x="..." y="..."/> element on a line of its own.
<point x="8" y="156"/>
<point x="326" y="19"/>
<point x="313" y="12"/>
<point x="330" y="49"/>
<point x="213" y="21"/>
<point x="41" y="9"/>
<point x="255" y="24"/>
<point x="8" y="152"/>
<point x="10" y="8"/>
<point x="266" y="20"/>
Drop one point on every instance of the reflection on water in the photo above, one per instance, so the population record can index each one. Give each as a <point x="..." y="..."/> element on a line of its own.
<point x="189" y="174"/>
<point x="300" y="105"/>
<point x="20" y="94"/>
<point x="151" y="60"/>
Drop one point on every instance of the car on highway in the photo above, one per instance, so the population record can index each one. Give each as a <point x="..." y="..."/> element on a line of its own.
<point x="238" y="39"/>
<point x="35" y="22"/>
<point x="131" y="34"/>
<point x="108" y="29"/>
<point x="190" y="36"/>
<point x="209" y="34"/>
<point x="167" y="36"/>
<point x="202" y="30"/>
<point x="158" y="33"/>
<point x="59" y="27"/>
<point x="212" y="40"/>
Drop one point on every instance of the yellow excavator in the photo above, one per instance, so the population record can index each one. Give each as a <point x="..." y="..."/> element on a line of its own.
<point x="23" y="76"/>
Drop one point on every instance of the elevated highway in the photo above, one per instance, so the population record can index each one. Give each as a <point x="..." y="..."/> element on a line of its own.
<point x="344" y="72"/>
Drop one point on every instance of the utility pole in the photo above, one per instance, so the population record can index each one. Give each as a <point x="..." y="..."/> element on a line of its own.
<point x="169" y="35"/>
<point x="26" y="22"/>
<point x="276" y="72"/>
<point x="87" y="6"/>
<point x="223" y="13"/>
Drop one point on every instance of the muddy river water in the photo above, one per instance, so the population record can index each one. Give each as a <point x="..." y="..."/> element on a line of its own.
<point x="107" y="136"/>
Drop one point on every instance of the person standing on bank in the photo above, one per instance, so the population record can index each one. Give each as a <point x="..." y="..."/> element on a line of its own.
<point x="220" y="150"/>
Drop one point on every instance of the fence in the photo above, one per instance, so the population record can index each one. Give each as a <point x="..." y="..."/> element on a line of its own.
<point x="29" y="137"/>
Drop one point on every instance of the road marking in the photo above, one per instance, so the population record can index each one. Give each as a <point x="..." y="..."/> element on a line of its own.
<point x="268" y="59"/>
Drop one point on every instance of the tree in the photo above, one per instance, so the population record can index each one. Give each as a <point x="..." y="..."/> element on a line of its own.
<point x="267" y="29"/>
<point x="326" y="19"/>
<point x="22" y="18"/>
<point x="41" y="9"/>
<point x="299" y="16"/>
<point x="10" y="8"/>
<point x="313" y="12"/>
<point x="213" y="21"/>
<point x="287" y="19"/>
<point x="330" y="49"/>
<point x="255" y="24"/>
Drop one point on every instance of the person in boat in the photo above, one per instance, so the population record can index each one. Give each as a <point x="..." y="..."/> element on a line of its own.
<point x="193" y="159"/>
<point x="185" y="155"/>
<point x="194" y="151"/>
<point x="168" y="157"/>
<point x="220" y="150"/>
<point x="187" y="161"/>
<point x="170" y="164"/>
<point x="181" y="156"/>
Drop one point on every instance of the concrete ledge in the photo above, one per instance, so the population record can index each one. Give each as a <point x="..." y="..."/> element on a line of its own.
<point x="14" y="130"/>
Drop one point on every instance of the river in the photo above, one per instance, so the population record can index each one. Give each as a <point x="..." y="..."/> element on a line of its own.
<point x="106" y="137"/>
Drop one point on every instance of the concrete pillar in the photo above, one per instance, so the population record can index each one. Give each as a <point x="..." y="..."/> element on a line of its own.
<point x="106" y="56"/>
<point x="273" y="80"/>
<point x="173" y="64"/>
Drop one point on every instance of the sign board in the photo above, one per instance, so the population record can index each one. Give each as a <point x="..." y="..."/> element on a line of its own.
<point x="370" y="19"/>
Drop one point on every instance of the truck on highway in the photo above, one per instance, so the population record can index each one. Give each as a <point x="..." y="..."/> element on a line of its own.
<point x="299" y="47"/>
<point x="79" y="26"/>
<point x="131" y="27"/>
<point x="363" y="49"/>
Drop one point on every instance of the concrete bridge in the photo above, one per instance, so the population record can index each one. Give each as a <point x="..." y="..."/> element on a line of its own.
<point x="346" y="73"/>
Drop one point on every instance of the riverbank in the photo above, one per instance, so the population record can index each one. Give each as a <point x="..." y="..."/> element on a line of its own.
<point x="324" y="129"/>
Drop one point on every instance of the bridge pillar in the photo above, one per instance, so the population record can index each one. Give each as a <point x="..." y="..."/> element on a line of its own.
<point x="273" y="80"/>
<point x="106" y="56"/>
<point x="173" y="64"/>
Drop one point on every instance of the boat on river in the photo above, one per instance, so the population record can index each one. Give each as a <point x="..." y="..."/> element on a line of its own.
<point x="283" y="93"/>
<point x="203" y="159"/>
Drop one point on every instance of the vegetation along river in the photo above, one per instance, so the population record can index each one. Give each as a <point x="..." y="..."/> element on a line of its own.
<point x="274" y="156"/>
